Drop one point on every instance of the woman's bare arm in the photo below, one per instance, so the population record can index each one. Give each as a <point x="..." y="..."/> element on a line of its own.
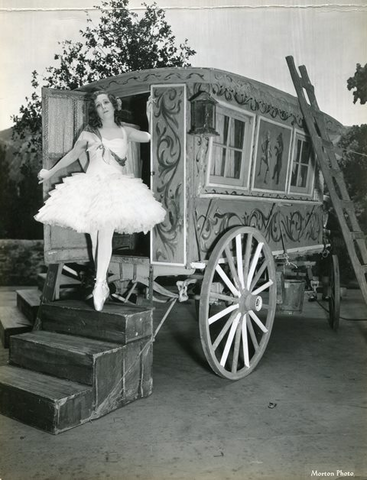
<point x="79" y="147"/>
<point x="134" y="135"/>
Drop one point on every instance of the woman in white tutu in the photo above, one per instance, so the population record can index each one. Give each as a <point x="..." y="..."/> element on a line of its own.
<point x="107" y="198"/>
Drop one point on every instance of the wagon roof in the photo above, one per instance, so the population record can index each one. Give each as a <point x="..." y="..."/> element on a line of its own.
<point x="257" y="96"/>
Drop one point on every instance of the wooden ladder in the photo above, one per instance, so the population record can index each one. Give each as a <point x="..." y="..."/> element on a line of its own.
<point x="325" y="154"/>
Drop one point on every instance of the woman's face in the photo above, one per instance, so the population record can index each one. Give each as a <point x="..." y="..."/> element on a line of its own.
<point x="104" y="107"/>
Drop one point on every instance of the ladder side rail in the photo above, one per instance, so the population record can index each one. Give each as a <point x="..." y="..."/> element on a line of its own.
<point x="340" y="209"/>
<point x="336" y="201"/>
<point x="325" y="152"/>
<point x="319" y="120"/>
<point x="309" y="87"/>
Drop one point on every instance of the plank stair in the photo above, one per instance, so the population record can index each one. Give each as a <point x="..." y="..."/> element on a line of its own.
<point x="44" y="402"/>
<point x="28" y="302"/>
<point x="79" y="365"/>
<point x="12" y="322"/>
<point x="21" y="319"/>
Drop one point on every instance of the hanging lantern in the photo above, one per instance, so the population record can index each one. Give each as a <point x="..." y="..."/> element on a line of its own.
<point x="203" y="115"/>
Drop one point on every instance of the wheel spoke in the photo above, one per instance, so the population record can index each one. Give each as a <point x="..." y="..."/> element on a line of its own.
<point x="224" y="330"/>
<point x="254" y="263"/>
<point x="236" y="351"/>
<point x="258" y="321"/>
<point x="240" y="266"/>
<point x="221" y="296"/>
<point x="263" y="287"/>
<point x="230" y="340"/>
<point x="252" y="334"/>
<point x="222" y="313"/>
<point x="227" y="281"/>
<point x="232" y="267"/>
<point x="246" y="261"/>
<point x="258" y="274"/>
<point x="245" y="342"/>
<point x="239" y="259"/>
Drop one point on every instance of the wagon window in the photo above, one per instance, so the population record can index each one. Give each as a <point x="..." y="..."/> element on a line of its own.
<point x="302" y="166"/>
<point x="228" y="152"/>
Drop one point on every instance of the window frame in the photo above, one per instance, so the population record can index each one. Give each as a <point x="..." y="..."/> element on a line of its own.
<point x="308" y="190"/>
<point x="243" y="181"/>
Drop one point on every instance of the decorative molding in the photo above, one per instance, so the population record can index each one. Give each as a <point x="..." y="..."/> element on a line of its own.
<point x="294" y="227"/>
<point x="258" y="97"/>
<point x="168" y="154"/>
<point x="246" y="95"/>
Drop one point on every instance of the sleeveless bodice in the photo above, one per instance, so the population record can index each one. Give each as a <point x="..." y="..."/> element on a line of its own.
<point x="101" y="160"/>
<point x="117" y="145"/>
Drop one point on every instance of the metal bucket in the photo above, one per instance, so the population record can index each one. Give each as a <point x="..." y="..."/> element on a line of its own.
<point x="294" y="292"/>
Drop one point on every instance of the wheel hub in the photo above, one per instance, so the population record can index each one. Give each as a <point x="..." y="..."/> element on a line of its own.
<point x="248" y="302"/>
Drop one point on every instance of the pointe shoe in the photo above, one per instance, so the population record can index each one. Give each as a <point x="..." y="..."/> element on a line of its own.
<point x="100" y="294"/>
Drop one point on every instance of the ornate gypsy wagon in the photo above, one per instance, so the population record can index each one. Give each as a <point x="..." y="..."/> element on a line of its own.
<point x="232" y="164"/>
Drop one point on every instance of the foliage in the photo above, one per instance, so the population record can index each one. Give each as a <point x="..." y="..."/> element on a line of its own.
<point x="17" y="200"/>
<point x="354" y="166"/>
<point x="122" y="41"/>
<point x="359" y="82"/>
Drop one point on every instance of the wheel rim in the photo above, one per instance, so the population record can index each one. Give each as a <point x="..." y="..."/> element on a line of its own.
<point x="334" y="296"/>
<point x="237" y="303"/>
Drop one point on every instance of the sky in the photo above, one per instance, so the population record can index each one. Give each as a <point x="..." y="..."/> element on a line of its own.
<point x="248" y="37"/>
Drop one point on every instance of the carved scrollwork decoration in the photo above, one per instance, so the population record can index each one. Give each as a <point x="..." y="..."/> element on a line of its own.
<point x="243" y="95"/>
<point x="295" y="226"/>
<point x="168" y="152"/>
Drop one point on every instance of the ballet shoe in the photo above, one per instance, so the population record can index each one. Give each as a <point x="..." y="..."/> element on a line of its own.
<point x="100" y="294"/>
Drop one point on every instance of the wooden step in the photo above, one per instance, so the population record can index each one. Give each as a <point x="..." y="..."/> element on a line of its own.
<point x="28" y="301"/>
<point x="118" y="373"/>
<point x="12" y="322"/>
<point x="42" y="401"/>
<point x="117" y="323"/>
<point x="63" y="356"/>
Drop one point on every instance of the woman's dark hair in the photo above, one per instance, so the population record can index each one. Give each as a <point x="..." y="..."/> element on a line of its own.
<point x="94" y="120"/>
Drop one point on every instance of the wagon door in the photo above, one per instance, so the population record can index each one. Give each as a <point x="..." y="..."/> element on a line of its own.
<point x="64" y="114"/>
<point x="168" y="167"/>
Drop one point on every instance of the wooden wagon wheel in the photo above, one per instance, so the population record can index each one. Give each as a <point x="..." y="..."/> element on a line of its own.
<point x="334" y="294"/>
<point x="237" y="302"/>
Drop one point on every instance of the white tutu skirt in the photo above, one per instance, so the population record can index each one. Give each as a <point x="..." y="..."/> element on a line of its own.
<point x="86" y="203"/>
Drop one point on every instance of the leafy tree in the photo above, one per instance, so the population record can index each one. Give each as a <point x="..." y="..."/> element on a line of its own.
<point x="354" y="166"/>
<point x="122" y="41"/>
<point x="359" y="82"/>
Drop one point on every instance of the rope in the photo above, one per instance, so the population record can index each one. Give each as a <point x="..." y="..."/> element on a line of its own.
<point x="115" y="395"/>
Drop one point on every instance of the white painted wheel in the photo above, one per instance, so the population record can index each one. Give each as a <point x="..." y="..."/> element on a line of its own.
<point x="237" y="302"/>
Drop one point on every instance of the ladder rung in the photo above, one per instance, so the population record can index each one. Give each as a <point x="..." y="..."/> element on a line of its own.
<point x="327" y="143"/>
<point x="335" y="173"/>
<point x="347" y="204"/>
<point x="364" y="268"/>
<point x="358" y="235"/>
<point x="318" y="115"/>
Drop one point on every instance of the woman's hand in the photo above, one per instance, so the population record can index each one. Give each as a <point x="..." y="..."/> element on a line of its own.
<point x="150" y="107"/>
<point x="44" y="175"/>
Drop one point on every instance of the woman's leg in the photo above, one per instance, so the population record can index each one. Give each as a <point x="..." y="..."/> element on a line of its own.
<point x="103" y="257"/>
<point x="104" y="252"/>
<point x="94" y="240"/>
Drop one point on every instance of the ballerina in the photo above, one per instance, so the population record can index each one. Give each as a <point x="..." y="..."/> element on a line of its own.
<point x="107" y="198"/>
